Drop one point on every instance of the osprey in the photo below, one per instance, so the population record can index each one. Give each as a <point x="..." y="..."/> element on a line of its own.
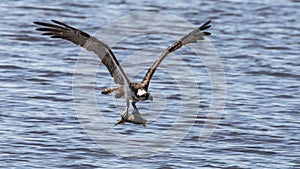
<point x="134" y="91"/>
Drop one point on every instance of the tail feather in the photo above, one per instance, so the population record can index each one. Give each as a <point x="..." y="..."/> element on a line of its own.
<point x="119" y="91"/>
<point x="107" y="91"/>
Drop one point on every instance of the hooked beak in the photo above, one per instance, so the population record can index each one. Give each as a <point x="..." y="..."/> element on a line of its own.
<point x="150" y="97"/>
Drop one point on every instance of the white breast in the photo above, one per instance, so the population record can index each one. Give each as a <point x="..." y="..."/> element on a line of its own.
<point x="141" y="92"/>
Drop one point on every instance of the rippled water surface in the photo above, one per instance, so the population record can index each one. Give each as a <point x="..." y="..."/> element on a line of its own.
<point x="257" y="43"/>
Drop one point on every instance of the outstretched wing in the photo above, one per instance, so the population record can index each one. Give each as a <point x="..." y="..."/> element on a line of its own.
<point x="64" y="31"/>
<point x="192" y="37"/>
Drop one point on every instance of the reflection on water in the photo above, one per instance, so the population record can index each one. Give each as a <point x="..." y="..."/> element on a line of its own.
<point x="257" y="44"/>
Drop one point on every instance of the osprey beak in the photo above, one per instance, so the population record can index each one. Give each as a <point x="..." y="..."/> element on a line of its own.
<point x="150" y="97"/>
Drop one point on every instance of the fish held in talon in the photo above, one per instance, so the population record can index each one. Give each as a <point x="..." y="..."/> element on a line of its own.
<point x="132" y="91"/>
<point x="135" y="117"/>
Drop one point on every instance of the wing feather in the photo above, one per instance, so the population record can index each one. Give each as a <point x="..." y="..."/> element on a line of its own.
<point x="78" y="37"/>
<point x="192" y="37"/>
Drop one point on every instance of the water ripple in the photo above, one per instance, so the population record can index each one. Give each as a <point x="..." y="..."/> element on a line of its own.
<point x="257" y="43"/>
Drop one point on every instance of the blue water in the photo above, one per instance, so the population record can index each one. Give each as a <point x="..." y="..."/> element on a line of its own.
<point x="256" y="41"/>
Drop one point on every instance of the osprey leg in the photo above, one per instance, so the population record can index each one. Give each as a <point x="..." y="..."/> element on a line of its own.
<point x="125" y="113"/>
<point x="135" y="117"/>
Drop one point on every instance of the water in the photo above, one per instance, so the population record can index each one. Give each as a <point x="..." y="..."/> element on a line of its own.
<point x="258" y="45"/>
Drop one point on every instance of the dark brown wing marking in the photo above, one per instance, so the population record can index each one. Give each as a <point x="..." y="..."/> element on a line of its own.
<point x="78" y="37"/>
<point x="192" y="37"/>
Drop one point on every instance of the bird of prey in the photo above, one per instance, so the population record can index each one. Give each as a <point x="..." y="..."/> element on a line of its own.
<point x="134" y="91"/>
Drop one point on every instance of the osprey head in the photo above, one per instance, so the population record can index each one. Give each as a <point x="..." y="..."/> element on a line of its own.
<point x="142" y="94"/>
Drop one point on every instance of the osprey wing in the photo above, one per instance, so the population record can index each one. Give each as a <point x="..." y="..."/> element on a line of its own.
<point x="63" y="31"/>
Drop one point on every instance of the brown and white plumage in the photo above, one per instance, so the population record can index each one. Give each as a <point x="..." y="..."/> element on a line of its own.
<point x="136" y="91"/>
